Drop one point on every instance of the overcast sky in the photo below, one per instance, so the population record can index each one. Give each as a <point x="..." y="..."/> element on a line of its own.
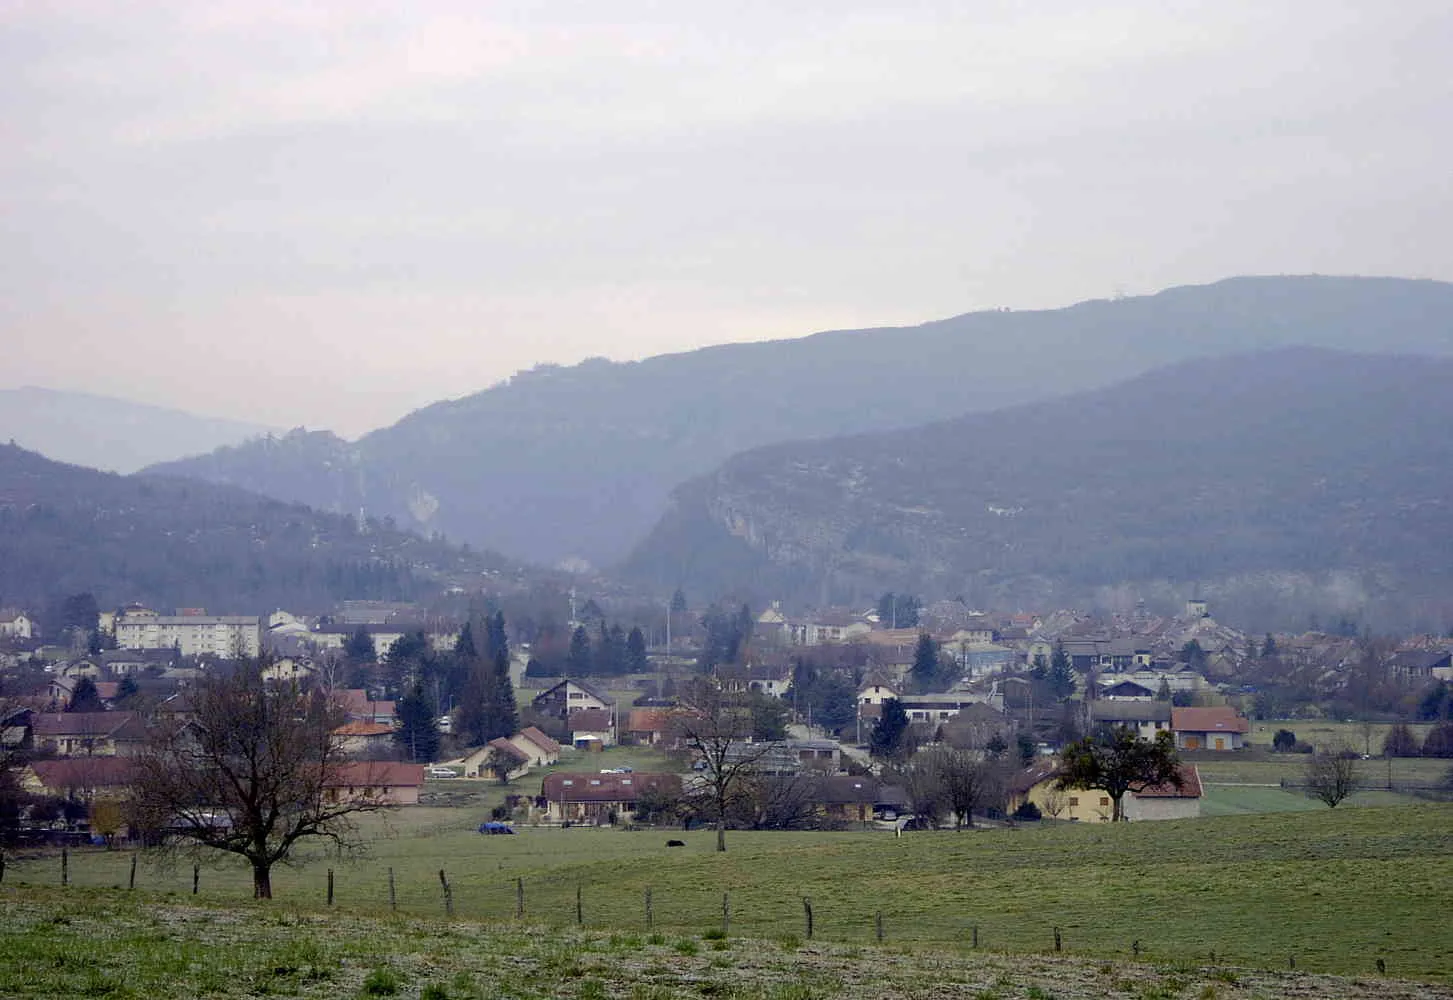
<point x="330" y="214"/>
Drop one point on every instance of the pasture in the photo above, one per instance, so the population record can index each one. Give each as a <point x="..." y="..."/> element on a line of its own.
<point x="1331" y="890"/>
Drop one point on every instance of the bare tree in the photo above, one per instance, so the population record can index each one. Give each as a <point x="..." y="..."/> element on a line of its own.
<point x="718" y="730"/>
<point x="1055" y="801"/>
<point x="922" y="780"/>
<point x="969" y="783"/>
<point x="255" y="770"/>
<point x="1332" y="775"/>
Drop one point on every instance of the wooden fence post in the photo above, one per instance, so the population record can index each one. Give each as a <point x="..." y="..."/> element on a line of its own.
<point x="131" y="882"/>
<point x="726" y="913"/>
<point x="650" y="917"/>
<point x="393" y="900"/>
<point x="448" y="895"/>
<point x="519" y="899"/>
<point x="976" y="935"/>
<point x="1056" y="939"/>
<point x="579" y="907"/>
<point x="330" y="887"/>
<point x="65" y="867"/>
<point x="196" y="878"/>
<point x="807" y="912"/>
<point x="880" y="926"/>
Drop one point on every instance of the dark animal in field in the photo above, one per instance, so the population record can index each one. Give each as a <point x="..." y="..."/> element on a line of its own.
<point x="675" y="843"/>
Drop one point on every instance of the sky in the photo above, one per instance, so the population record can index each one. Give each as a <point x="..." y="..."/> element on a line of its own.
<point x="329" y="214"/>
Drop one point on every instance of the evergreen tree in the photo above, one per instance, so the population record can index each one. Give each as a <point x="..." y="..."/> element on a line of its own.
<point x="495" y="639"/>
<point x="637" y="660"/>
<point x="127" y="688"/>
<point x="925" y="662"/>
<point x="85" y="697"/>
<point x="889" y="739"/>
<point x="418" y="733"/>
<point x="1268" y="648"/>
<point x="578" y="660"/>
<point x="678" y="602"/>
<point x="464" y="646"/>
<point x="504" y="715"/>
<point x="359" y="649"/>
<point x="1061" y="674"/>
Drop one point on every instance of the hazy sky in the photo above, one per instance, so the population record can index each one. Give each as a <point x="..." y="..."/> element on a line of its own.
<point x="332" y="213"/>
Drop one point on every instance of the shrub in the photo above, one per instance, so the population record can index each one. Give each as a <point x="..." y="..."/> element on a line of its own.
<point x="1400" y="742"/>
<point x="1027" y="811"/>
<point x="1440" y="741"/>
<point x="381" y="983"/>
<point x="1284" y="741"/>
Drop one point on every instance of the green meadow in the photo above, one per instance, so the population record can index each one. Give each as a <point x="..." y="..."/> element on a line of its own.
<point x="1332" y="891"/>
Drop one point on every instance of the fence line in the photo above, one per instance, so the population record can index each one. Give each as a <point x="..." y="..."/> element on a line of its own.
<point x="564" y="900"/>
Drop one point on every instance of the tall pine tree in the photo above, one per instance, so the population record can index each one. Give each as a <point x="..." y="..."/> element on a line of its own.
<point x="418" y="734"/>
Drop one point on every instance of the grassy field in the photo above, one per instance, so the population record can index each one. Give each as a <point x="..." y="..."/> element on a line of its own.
<point x="1334" y="889"/>
<point x="108" y="943"/>
<point x="1364" y="738"/>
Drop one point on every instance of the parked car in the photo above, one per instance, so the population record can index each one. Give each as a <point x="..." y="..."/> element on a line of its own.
<point x="442" y="772"/>
<point x="493" y="827"/>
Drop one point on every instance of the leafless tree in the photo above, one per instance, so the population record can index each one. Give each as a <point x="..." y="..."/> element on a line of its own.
<point x="970" y="783"/>
<point x="1332" y="775"/>
<point x="717" y="731"/>
<point x="922" y="779"/>
<point x="257" y="769"/>
<point x="1055" y="800"/>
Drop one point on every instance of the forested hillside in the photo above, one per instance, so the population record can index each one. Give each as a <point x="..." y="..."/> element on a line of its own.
<point x="1275" y="482"/>
<point x="171" y="542"/>
<point x="579" y="461"/>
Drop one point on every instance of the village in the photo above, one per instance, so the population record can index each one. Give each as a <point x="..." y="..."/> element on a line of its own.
<point x="1010" y="689"/>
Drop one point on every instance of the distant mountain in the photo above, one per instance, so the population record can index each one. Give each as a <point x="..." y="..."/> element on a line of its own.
<point x="107" y="433"/>
<point x="1279" y="483"/>
<point x="172" y="543"/>
<point x="579" y="461"/>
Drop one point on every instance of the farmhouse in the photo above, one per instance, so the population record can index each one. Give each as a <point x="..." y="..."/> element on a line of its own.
<point x="1036" y="784"/>
<point x="569" y="696"/>
<point x="1215" y="728"/>
<point x="593" y="798"/>
<point x="384" y="782"/>
<point x="90" y="734"/>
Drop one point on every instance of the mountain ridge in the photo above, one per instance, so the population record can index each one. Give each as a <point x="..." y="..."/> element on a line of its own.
<point x="1245" y="476"/>
<point x="579" y="461"/>
<point x="110" y="433"/>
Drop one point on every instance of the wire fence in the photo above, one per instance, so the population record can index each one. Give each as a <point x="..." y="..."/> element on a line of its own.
<point x="853" y="914"/>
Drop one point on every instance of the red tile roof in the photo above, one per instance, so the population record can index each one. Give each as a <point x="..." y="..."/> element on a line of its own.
<point x="377" y="774"/>
<point x="84" y="772"/>
<point x="1216" y="719"/>
<point x="356" y="728"/>
<point x="505" y="748"/>
<point x="565" y="787"/>
<point x="540" y="740"/>
<point x="1190" y="786"/>
<point x="590" y="720"/>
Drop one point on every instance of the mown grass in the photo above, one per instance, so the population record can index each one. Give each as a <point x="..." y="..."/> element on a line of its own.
<point x="1335" y="889"/>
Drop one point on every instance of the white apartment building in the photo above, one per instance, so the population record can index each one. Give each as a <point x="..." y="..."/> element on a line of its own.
<point x="195" y="635"/>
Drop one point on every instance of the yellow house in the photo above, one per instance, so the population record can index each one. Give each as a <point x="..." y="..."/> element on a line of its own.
<point x="1036" y="784"/>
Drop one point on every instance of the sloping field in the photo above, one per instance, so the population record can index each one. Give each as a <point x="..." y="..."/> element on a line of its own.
<point x="1332" y="890"/>
<point x="110" y="943"/>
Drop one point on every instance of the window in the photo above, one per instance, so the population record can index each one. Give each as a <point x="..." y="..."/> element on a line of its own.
<point x="1074" y="801"/>
<point x="568" y="781"/>
<point x="1104" y="800"/>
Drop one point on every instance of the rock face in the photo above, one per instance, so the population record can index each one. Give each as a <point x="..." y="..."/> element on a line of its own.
<point x="560" y="462"/>
<point x="1294" y="477"/>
